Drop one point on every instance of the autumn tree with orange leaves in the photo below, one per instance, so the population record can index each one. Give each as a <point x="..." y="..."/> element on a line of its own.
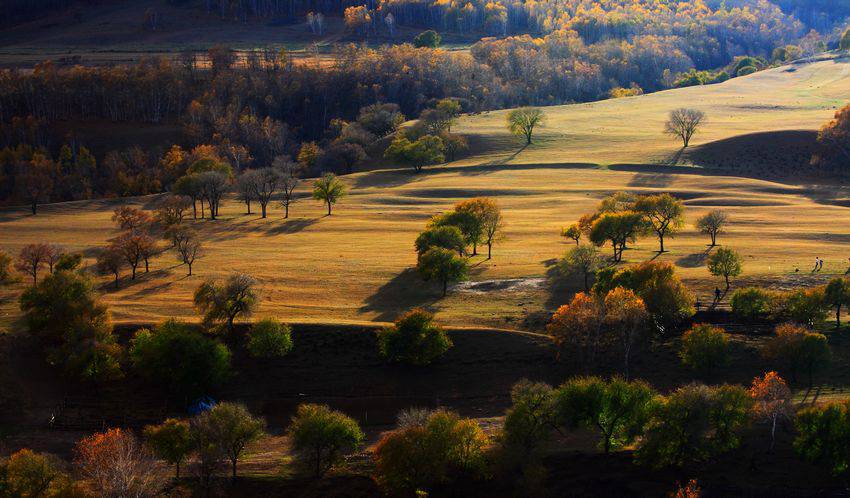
<point x="772" y="401"/>
<point x="115" y="464"/>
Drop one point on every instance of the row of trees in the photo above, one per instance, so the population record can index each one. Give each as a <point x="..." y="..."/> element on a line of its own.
<point x="807" y="306"/>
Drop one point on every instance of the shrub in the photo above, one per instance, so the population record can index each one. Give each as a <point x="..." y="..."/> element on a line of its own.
<point x="705" y="347"/>
<point x="422" y="455"/>
<point x="752" y="303"/>
<point x="414" y="339"/>
<point x="429" y="38"/>
<point x="269" y="339"/>
<point x="694" y="423"/>
<point x="807" y="306"/>
<point x="321" y="436"/>
<point x="176" y="356"/>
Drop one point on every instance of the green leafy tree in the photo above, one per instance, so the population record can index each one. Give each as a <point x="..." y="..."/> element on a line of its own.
<point x="619" y="410"/>
<point x="447" y="236"/>
<point x="584" y="260"/>
<point x="752" y="303"/>
<point x="725" y="263"/>
<point x="429" y="451"/>
<point x="523" y="121"/>
<point x="170" y="441"/>
<point x="823" y="435"/>
<point x="704" y="348"/>
<point x="329" y="189"/>
<point x="269" y="339"/>
<point x="530" y="420"/>
<point x="224" y="302"/>
<point x="664" y="213"/>
<point x="619" y="229"/>
<point x="419" y="153"/>
<point x="443" y="266"/>
<point x="837" y="294"/>
<point x="414" y="339"/>
<point x="807" y="306"/>
<point x="322" y="436"/>
<point x="231" y="427"/>
<point x="572" y="232"/>
<point x="712" y="224"/>
<point x="466" y="220"/>
<point x="27" y="474"/>
<point x="65" y="314"/>
<point x="693" y="424"/>
<point x="176" y="356"/>
<point x="429" y="39"/>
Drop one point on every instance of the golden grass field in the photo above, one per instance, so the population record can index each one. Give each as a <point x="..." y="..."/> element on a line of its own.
<point x="357" y="265"/>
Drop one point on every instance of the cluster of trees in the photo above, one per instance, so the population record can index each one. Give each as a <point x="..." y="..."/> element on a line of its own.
<point x="444" y="246"/>
<point x="834" y="143"/>
<point x="809" y="306"/>
<point x="429" y="140"/>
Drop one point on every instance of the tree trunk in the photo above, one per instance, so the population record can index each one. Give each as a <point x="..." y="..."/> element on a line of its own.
<point x="489" y="250"/>
<point x="248" y="203"/>
<point x="838" y="316"/>
<point x="134" y="272"/>
<point x="177" y="476"/>
<point x="233" y="468"/>
<point x="146" y="265"/>
<point x="194" y="209"/>
<point x="661" y="242"/>
<point x="445" y="286"/>
<point x="286" y="211"/>
<point x="34" y="207"/>
<point x="475" y="248"/>
<point x="263" y="209"/>
<point x="713" y="239"/>
<point x="329" y="208"/>
<point x="190" y="269"/>
<point x="727" y="281"/>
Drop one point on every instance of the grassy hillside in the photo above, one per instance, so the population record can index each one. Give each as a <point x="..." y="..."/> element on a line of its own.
<point x="357" y="265"/>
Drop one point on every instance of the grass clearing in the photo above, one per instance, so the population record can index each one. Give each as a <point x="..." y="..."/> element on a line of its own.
<point x="357" y="265"/>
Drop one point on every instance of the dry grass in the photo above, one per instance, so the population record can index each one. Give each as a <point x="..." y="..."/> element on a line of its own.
<point x="357" y="264"/>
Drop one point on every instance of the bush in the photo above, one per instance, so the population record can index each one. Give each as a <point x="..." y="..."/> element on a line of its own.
<point x="180" y="358"/>
<point x="705" y="347"/>
<point x="414" y="339"/>
<point x="432" y="452"/>
<point x="693" y="424"/>
<point x="321" y="436"/>
<point x="752" y="303"/>
<point x="269" y="339"/>
<point x="807" y="306"/>
<point x="429" y="38"/>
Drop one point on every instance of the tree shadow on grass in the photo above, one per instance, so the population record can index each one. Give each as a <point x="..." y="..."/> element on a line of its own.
<point x="403" y="292"/>
<point x="694" y="260"/>
<point x="293" y="225"/>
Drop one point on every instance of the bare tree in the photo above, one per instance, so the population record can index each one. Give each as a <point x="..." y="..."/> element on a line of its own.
<point x="246" y="187"/>
<point x="32" y="259"/>
<point x="213" y="185"/>
<point x="267" y="183"/>
<point x="289" y="172"/>
<point x="684" y="123"/>
<point x="188" y="247"/>
<point x="110" y="261"/>
<point x="130" y="218"/>
<point x="135" y="247"/>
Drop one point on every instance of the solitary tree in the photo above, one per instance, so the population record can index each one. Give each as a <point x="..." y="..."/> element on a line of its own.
<point x="170" y="441"/>
<point x="443" y="266"/>
<point x="32" y="259"/>
<point x="225" y="302"/>
<point x="329" y="189"/>
<point x="837" y="293"/>
<point x="772" y="400"/>
<point x="664" y="213"/>
<point x="684" y="123"/>
<point x="231" y="427"/>
<point x="712" y="223"/>
<point x="522" y="121"/>
<point x="531" y="419"/>
<point x="188" y="246"/>
<point x="572" y="232"/>
<point x="582" y="260"/>
<point x="725" y="263"/>
<point x="322" y="436"/>
<point x="289" y="173"/>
